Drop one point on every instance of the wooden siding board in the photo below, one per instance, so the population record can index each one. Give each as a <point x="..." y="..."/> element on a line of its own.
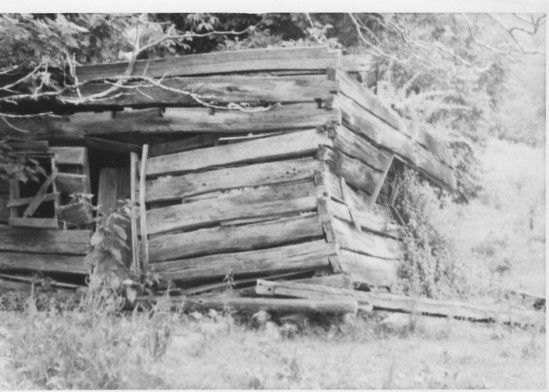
<point x="369" y="270"/>
<point x="256" y="60"/>
<point x="290" y="145"/>
<point x="269" y="202"/>
<point x="43" y="262"/>
<point x="44" y="241"/>
<point x="224" y="239"/>
<point x="302" y="256"/>
<point x="218" y="90"/>
<point x="177" y="187"/>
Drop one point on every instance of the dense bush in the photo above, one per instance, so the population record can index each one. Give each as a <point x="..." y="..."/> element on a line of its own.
<point x="430" y="266"/>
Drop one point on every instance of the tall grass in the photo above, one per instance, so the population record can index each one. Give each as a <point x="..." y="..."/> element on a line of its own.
<point x="92" y="346"/>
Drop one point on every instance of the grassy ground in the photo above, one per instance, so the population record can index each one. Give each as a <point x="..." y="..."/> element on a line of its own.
<point x="216" y="352"/>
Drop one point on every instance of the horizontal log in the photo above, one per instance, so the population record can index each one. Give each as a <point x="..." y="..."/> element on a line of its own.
<point x="111" y="145"/>
<point x="270" y="201"/>
<point x="73" y="264"/>
<point x="368" y="100"/>
<point x="351" y="239"/>
<point x="358" y="147"/>
<point x="455" y="309"/>
<point x="218" y="90"/>
<point x="368" y="270"/>
<point x="366" y="219"/>
<point x="185" y="144"/>
<point x="68" y="183"/>
<point x="234" y="238"/>
<point x="296" y="257"/>
<point x="275" y="305"/>
<point x="43" y="223"/>
<point x="16" y="239"/>
<point x="176" y="120"/>
<point x="339" y="280"/>
<point x="352" y="170"/>
<point x="177" y="187"/>
<point x="70" y="155"/>
<point x="252" y="60"/>
<point x="302" y="290"/>
<point x="288" y="145"/>
<point x="381" y="134"/>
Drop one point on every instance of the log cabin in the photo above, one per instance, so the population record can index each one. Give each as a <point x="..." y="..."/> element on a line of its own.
<point x="265" y="163"/>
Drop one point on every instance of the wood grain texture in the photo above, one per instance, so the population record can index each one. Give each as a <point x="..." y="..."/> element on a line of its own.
<point x="296" y="257"/>
<point x="177" y="187"/>
<point x="70" y="155"/>
<point x="367" y="219"/>
<point x="358" y="147"/>
<point x="381" y="134"/>
<point x="288" y="145"/>
<point x="15" y="239"/>
<point x="176" y="120"/>
<point x="114" y="185"/>
<point x="366" y="243"/>
<point x="185" y="144"/>
<point x="256" y="89"/>
<point x="73" y="264"/>
<point x="224" y="239"/>
<point x="368" y="270"/>
<point x="256" y="60"/>
<point x="46" y="223"/>
<point x="352" y="170"/>
<point x="268" y="202"/>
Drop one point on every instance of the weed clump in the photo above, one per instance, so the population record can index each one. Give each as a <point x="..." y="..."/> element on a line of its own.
<point x="93" y="346"/>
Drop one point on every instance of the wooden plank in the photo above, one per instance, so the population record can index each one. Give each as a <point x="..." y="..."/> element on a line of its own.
<point x="366" y="243"/>
<point x="133" y="212"/>
<point x="295" y="257"/>
<point x="40" y="146"/>
<point x="27" y="200"/>
<point x="358" y="147"/>
<point x="300" y="290"/>
<point x="381" y="181"/>
<point x="177" y="187"/>
<point x="275" y="305"/>
<point x="114" y="185"/>
<point x="68" y="183"/>
<point x="40" y="195"/>
<point x="367" y="219"/>
<point x="176" y="120"/>
<point x="454" y="309"/>
<point x="4" y="210"/>
<point x="381" y="134"/>
<point x="178" y="145"/>
<point x="218" y="90"/>
<point x="44" y="241"/>
<point x="352" y="170"/>
<point x="143" y="209"/>
<point x="46" y="223"/>
<point x="73" y="264"/>
<point x="368" y="270"/>
<point x="368" y="100"/>
<point x="289" y="145"/>
<point x="230" y="239"/>
<point x="252" y="60"/>
<point x="111" y="145"/>
<point x="70" y="155"/>
<point x="274" y="201"/>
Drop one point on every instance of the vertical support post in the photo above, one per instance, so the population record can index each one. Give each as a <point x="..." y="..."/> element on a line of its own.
<point x="379" y="185"/>
<point x="133" y="215"/>
<point x="142" y="207"/>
